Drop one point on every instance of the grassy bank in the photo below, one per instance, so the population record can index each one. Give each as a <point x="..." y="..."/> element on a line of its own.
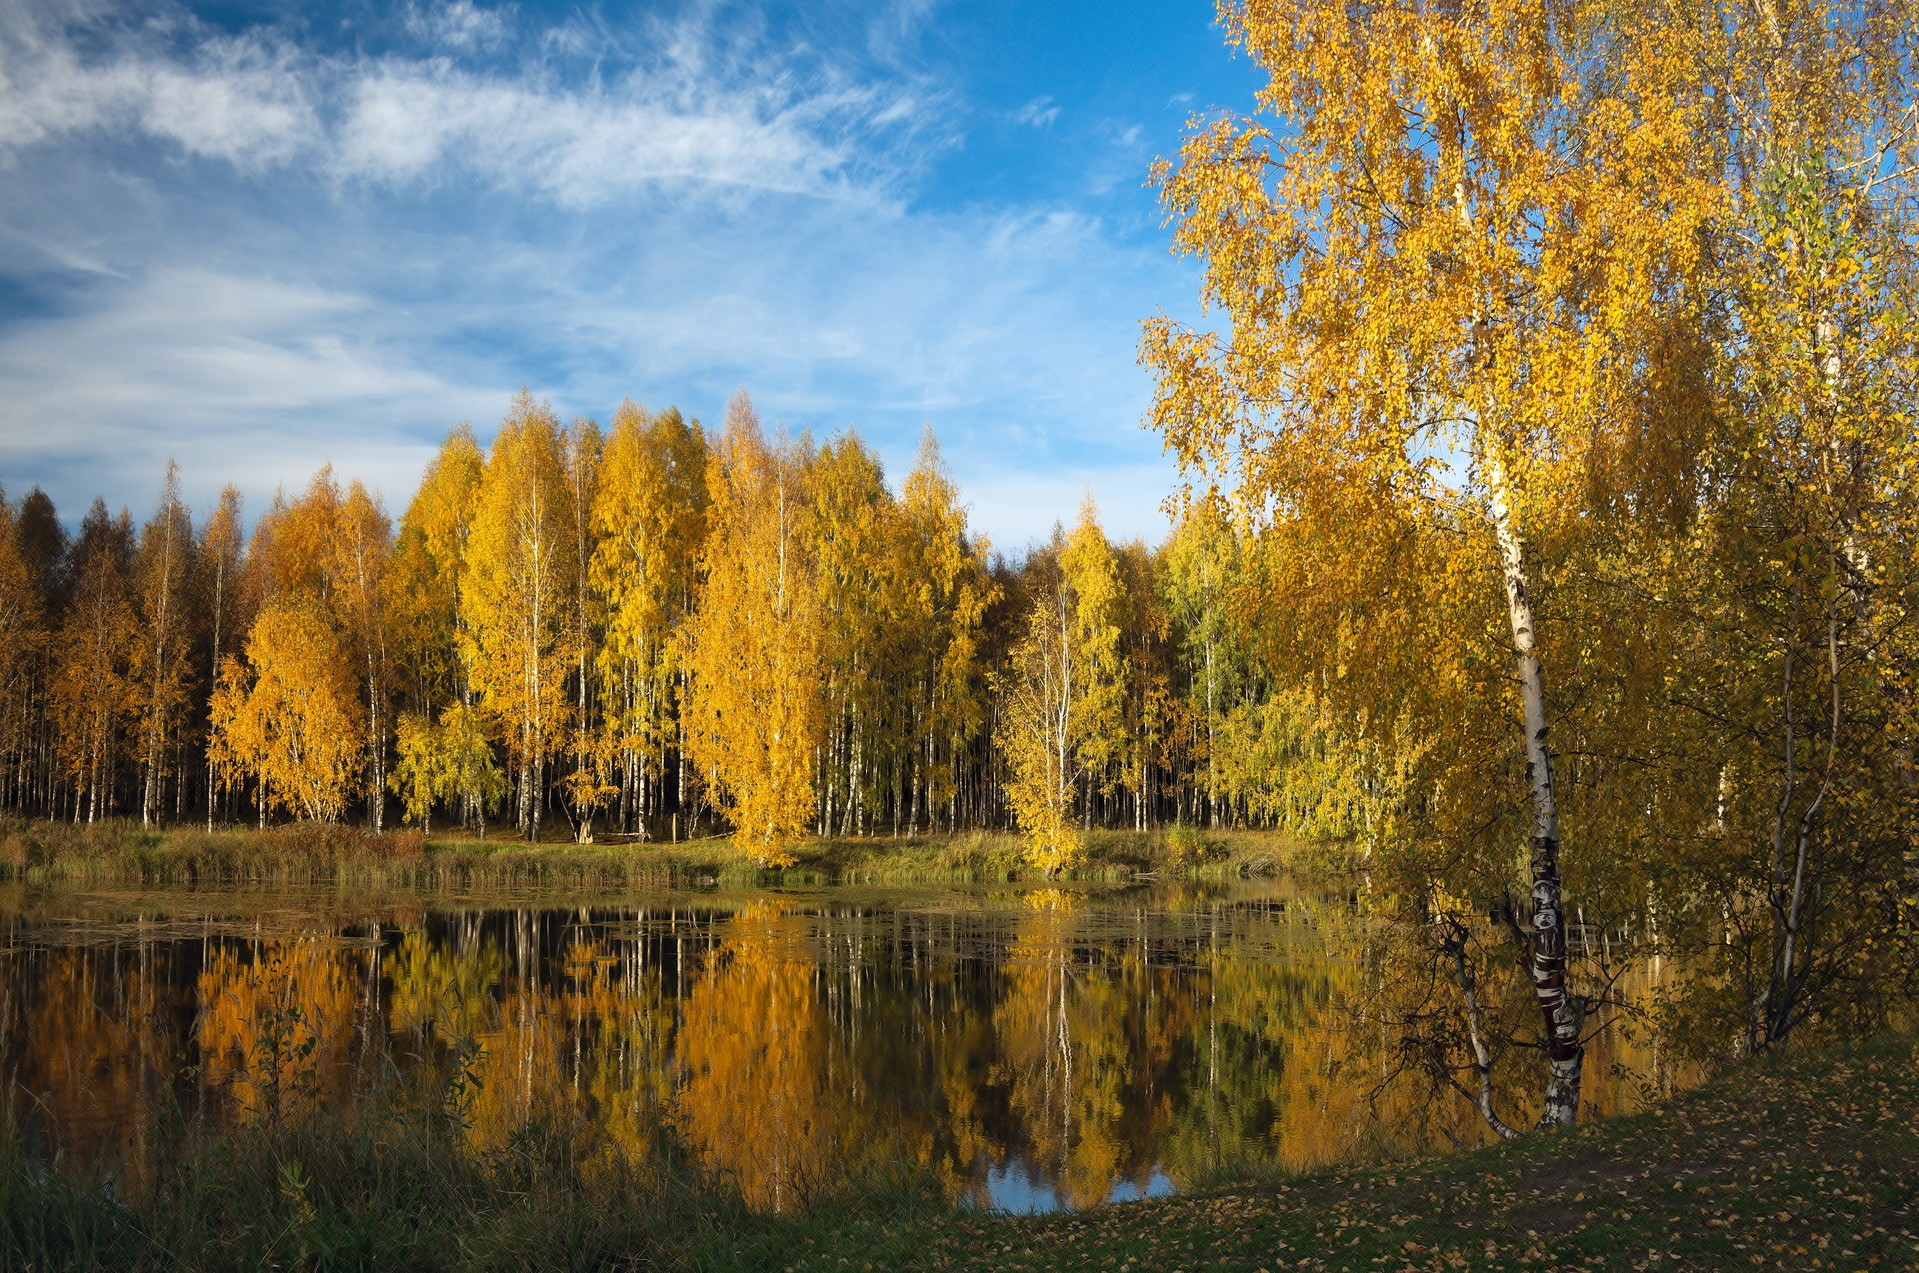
<point x="1803" y="1162"/>
<point x="119" y="853"/>
<point x="1794" y="1163"/>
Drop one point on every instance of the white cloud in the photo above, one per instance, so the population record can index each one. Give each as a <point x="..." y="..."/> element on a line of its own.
<point x="1038" y="113"/>
<point x="234" y="99"/>
<point x="241" y="380"/>
<point x="1122" y="161"/>
<point x="690" y="111"/>
<point x="460" y="26"/>
<point x="402" y="122"/>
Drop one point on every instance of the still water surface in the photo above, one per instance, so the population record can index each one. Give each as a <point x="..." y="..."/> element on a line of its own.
<point x="1031" y="1048"/>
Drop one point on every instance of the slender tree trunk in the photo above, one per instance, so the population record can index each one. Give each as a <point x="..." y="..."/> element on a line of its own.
<point x="213" y="667"/>
<point x="155" y="740"/>
<point x="1561" y="1011"/>
<point x="1454" y="944"/>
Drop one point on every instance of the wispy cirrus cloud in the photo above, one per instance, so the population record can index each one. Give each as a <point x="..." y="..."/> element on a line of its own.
<point x="686" y="109"/>
<point x="1038" y="113"/>
<point x="237" y="99"/>
<point x="460" y="26"/>
<point x="402" y="123"/>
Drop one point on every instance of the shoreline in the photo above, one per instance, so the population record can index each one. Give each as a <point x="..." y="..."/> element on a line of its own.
<point x="125" y="854"/>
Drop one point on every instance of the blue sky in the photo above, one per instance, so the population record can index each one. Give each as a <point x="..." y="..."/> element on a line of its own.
<point x="258" y="237"/>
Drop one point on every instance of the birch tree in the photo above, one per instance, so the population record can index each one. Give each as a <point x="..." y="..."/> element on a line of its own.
<point x="649" y="520"/>
<point x="754" y="647"/>
<point x="851" y="531"/>
<point x="218" y="566"/>
<point x="1092" y="603"/>
<point x="1034" y="732"/>
<point x="948" y="591"/>
<point x="517" y="638"/>
<point x="591" y="783"/>
<point x="1814" y="128"/>
<point x="1061" y="717"/>
<point x="362" y="550"/>
<point x="92" y="658"/>
<point x="448" y="762"/>
<point x="158" y="671"/>
<point x="428" y="571"/>
<point x="289" y="717"/>
<point x="1440" y="266"/>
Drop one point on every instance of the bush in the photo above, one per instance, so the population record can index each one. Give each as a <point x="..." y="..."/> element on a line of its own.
<point x="1185" y="846"/>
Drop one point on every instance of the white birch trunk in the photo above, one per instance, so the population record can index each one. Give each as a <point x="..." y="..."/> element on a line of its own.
<point x="1560" y="1010"/>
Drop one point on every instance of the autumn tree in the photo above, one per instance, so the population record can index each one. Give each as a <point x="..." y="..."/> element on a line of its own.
<point x="1202" y="571"/>
<point x="1033" y="733"/>
<point x="158" y="672"/>
<point x="591" y="783"/>
<point x="291" y="554"/>
<point x="326" y="555"/>
<point x="1093" y="604"/>
<point x="1146" y="688"/>
<point x="22" y="636"/>
<point x="851" y="534"/>
<point x="446" y="762"/>
<point x="358" y="571"/>
<point x="290" y="718"/>
<point x="1443" y="269"/>
<point x="92" y="660"/>
<point x="429" y="566"/>
<point x="947" y="592"/>
<point x="754" y="646"/>
<point x="514" y="597"/>
<point x="1801" y="577"/>
<point x="218" y="569"/>
<point x="649" y="521"/>
<point x="1061" y="724"/>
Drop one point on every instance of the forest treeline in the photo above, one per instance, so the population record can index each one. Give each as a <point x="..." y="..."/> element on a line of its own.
<point x="642" y="631"/>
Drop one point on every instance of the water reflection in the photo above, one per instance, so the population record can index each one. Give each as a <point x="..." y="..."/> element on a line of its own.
<point x="1029" y="1049"/>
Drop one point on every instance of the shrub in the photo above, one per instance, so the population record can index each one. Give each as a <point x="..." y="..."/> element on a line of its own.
<point x="1185" y="846"/>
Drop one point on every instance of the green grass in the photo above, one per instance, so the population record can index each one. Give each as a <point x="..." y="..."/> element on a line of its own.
<point x="1800" y="1162"/>
<point x="117" y="852"/>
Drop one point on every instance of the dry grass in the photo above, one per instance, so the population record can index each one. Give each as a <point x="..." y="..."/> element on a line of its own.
<point x="122" y="853"/>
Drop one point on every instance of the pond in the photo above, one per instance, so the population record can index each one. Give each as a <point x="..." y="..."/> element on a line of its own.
<point x="1029" y="1048"/>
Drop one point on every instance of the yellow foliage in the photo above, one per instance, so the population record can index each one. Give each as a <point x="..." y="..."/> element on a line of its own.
<point x="649" y="519"/>
<point x="754" y="646"/>
<point x="429" y="564"/>
<point x="443" y="763"/>
<point x="22" y="633"/>
<point x="91" y="659"/>
<point x="518" y="630"/>
<point x="1061" y="720"/>
<point x="289" y="719"/>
